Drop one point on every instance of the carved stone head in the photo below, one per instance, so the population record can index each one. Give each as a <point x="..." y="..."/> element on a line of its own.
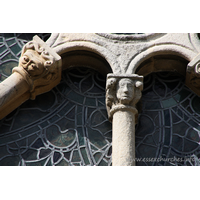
<point x="32" y="62"/>
<point x="40" y="66"/>
<point x="36" y="60"/>
<point x="125" y="91"/>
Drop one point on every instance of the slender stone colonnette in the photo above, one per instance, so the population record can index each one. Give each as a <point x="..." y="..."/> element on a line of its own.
<point x="122" y="94"/>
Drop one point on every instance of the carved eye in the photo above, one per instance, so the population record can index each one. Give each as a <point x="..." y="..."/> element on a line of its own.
<point x="197" y="68"/>
<point x="25" y="59"/>
<point x="48" y="62"/>
<point x="33" y="65"/>
<point x="122" y="84"/>
<point x="45" y="53"/>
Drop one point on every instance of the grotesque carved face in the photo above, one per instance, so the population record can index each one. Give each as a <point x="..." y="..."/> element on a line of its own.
<point x="125" y="90"/>
<point x="32" y="62"/>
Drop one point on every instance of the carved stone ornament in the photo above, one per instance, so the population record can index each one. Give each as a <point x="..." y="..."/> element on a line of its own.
<point x="193" y="75"/>
<point x="123" y="92"/>
<point x="40" y="66"/>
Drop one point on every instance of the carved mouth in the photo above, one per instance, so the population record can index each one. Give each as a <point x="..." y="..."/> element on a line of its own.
<point x="125" y="97"/>
<point x="32" y="68"/>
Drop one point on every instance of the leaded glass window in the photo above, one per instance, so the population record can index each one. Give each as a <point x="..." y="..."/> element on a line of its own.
<point x="69" y="125"/>
<point x="66" y="126"/>
<point x="169" y="124"/>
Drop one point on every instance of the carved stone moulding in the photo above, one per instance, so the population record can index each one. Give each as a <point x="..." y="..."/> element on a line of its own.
<point x="40" y="66"/>
<point x="193" y="75"/>
<point x="39" y="70"/>
<point x="129" y="36"/>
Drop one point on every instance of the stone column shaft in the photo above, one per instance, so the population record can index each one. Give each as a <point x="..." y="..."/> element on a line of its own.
<point x="123" y="140"/>
<point x="13" y="92"/>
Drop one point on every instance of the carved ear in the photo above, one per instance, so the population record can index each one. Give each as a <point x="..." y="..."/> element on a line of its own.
<point x="111" y="91"/>
<point x="48" y="63"/>
<point x="138" y="93"/>
<point x="137" y="97"/>
<point x="111" y="83"/>
<point x="139" y="85"/>
<point x="48" y="77"/>
<point x="197" y="70"/>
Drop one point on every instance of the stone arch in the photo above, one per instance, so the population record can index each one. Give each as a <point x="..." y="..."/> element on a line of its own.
<point x="159" y="63"/>
<point x="86" y="59"/>
<point x="160" y="50"/>
<point x="92" y="47"/>
<point x="170" y="62"/>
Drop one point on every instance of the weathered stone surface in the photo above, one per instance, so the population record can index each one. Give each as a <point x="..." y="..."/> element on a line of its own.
<point x="123" y="139"/>
<point x="13" y="92"/>
<point x="193" y="75"/>
<point x="122" y="93"/>
<point x="39" y="70"/>
<point x="125" y="53"/>
<point x="122" y="90"/>
<point x="40" y="66"/>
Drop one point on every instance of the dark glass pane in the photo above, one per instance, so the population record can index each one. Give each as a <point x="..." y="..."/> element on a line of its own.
<point x="44" y="153"/>
<point x="168" y="133"/>
<point x="103" y="163"/>
<point x="10" y="161"/>
<point x="169" y="103"/>
<point x="57" y="138"/>
<point x="63" y="163"/>
<point x="196" y="104"/>
<point x="85" y="156"/>
<point x="97" y="156"/>
<point x="37" y="144"/>
<point x="30" y="155"/>
<point x="56" y="156"/>
<point x="35" y="163"/>
<point x="96" y="138"/>
<point x="76" y="156"/>
<point x="15" y="49"/>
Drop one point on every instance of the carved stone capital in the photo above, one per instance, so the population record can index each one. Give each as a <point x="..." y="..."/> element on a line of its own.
<point x="123" y="92"/>
<point x="40" y="66"/>
<point x="193" y="75"/>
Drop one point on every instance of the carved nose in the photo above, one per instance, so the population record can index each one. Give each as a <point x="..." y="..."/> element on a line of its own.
<point x="125" y="89"/>
<point x="27" y="64"/>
